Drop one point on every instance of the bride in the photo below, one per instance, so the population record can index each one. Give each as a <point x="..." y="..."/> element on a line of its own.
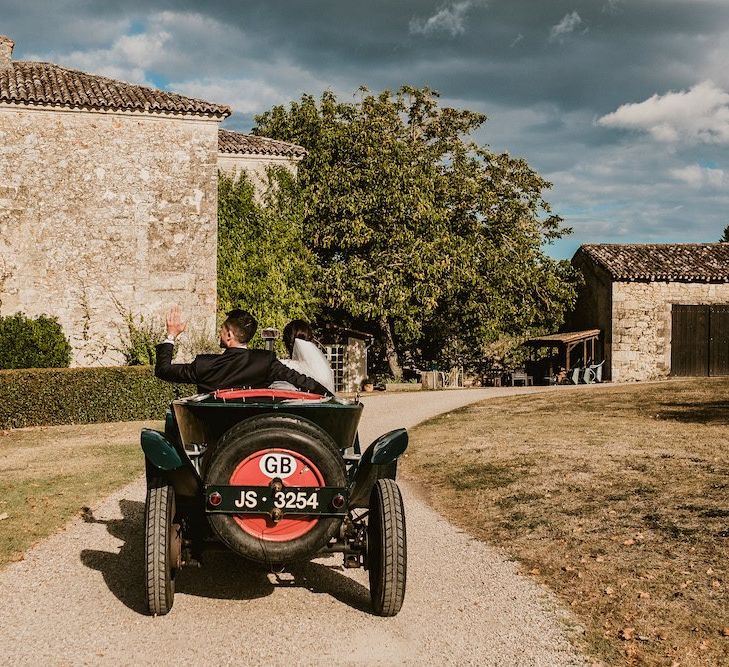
<point x="305" y="356"/>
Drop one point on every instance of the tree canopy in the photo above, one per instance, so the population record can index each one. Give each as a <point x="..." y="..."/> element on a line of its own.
<point x="263" y="264"/>
<point x="431" y="240"/>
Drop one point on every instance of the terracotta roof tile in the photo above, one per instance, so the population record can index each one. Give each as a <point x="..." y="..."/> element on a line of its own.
<point x="686" y="262"/>
<point x="237" y="142"/>
<point x="25" y="82"/>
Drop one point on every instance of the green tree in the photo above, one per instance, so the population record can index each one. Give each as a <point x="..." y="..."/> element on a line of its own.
<point x="431" y="239"/>
<point x="263" y="264"/>
<point x="725" y="236"/>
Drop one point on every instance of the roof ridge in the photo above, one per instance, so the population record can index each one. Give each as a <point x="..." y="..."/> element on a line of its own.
<point x="659" y="244"/>
<point x="661" y="261"/>
<point x="45" y="83"/>
<point x="234" y="141"/>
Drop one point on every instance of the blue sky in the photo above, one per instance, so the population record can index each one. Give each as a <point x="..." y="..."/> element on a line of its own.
<point x="622" y="104"/>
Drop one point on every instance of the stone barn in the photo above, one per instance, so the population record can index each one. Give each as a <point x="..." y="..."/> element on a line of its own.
<point x="108" y="202"/>
<point x="239" y="152"/>
<point x="663" y="309"/>
<point x="346" y="350"/>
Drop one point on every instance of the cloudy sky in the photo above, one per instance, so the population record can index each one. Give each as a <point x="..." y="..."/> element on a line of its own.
<point x="622" y="104"/>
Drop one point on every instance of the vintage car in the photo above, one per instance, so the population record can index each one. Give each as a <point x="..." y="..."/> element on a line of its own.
<point x="277" y="477"/>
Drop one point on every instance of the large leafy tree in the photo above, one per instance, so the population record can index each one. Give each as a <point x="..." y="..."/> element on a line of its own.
<point x="263" y="264"/>
<point x="431" y="239"/>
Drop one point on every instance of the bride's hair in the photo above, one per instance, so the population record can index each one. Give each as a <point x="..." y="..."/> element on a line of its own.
<point x="296" y="329"/>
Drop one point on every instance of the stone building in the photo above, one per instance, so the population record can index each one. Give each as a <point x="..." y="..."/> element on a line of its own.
<point x="346" y="350"/>
<point x="246" y="152"/>
<point x="108" y="202"/>
<point x="663" y="309"/>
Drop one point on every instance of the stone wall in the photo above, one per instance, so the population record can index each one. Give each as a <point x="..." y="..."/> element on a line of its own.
<point x="356" y="369"/>
<point x="107" y="212"/>
<point x="593" y="308"/>
<point x="255" y="166"/>
<point x="641" y="331"/>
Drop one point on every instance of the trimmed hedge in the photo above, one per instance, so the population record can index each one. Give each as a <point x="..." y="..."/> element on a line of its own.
<point x="47" y="396"/>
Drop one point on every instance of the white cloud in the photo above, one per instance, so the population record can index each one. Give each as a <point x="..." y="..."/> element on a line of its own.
<point x="171" y="42"/>
<point x="568" y="24"/>
<point x="272" y="83"/>
<point x="127" y="58"/>
<point x="449" y="19"/>
<point x="203" y="58"/>
<point x="697" y="176"/>
<point x="699" y="115"/>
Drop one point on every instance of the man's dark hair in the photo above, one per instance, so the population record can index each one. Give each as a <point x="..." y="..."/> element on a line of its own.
<point x="242" y="324"/>
<point x="296" y="329"/>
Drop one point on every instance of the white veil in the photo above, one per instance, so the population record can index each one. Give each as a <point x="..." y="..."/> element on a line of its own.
<point x="315" y="363"/>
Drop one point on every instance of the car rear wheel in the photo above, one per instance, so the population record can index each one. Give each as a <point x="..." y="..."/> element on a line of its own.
<point x="386" y="548"/>
<point x="237" y="461"/>
<point x="162" y="543"/>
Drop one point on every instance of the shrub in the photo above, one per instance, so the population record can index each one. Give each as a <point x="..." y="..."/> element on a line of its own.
<point x="50" y="396"/>
<point x="33" y="343"/>
<point x="139" y="338"/>
<point x="196" y="340"/>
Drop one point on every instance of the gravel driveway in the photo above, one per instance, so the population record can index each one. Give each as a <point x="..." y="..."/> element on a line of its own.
<point x="77" y="598"/>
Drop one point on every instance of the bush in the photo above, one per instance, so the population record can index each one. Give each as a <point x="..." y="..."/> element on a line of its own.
<point x="83" y="395"/>
<point x="140" y="338"/>
<point x="33" y="343"/>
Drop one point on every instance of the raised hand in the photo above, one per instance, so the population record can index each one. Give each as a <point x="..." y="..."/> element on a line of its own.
<point x="175" y="325"/>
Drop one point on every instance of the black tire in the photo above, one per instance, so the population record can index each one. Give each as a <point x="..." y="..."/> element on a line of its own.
<point x="267" y="432"/>
<point x="160" y="549"/>
<point x="386" y="548"/>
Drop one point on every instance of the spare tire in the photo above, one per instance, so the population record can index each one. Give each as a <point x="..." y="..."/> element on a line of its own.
<point x="313" y="459"/>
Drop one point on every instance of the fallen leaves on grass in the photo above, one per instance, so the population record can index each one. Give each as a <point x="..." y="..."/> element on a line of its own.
<point x="633" y="529"/>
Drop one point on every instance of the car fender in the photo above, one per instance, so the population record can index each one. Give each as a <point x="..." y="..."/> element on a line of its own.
<point x="379" y="461"/>
<point x="160" y="452"/>
<point x="163" y="459"/>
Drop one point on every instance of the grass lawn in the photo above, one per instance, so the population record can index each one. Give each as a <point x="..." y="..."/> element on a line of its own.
<point x="48" y="474"/>
<point x="617" y="498"/>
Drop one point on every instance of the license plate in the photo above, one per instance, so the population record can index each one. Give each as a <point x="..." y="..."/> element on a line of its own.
<point x="291" y="500"/>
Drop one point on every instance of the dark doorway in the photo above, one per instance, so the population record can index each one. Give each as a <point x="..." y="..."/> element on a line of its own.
<point x="700" y="340"/>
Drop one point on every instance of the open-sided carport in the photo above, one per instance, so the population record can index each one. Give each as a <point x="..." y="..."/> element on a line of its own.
<point x="564" y="351"/>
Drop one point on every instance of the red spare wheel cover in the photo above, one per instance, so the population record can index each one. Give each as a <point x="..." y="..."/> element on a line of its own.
<point x="229" y="394"/>
<point x="249" y="473"/>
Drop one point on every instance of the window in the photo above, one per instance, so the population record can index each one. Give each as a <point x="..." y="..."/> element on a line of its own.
<point x="336" y="356"/>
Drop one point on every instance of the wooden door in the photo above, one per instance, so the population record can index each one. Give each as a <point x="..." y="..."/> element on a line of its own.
<point x="719" y="340"/>
<point x="690" y="340"/>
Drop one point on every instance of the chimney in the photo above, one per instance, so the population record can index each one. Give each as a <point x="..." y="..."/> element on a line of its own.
<point x="6" y="51"/>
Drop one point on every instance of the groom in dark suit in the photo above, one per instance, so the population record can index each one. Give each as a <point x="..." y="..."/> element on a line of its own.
<point x="237" y="367"/>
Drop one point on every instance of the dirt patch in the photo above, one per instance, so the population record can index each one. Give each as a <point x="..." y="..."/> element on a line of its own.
<point x="616" y="498"/>
<point x="49" y="474"/>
